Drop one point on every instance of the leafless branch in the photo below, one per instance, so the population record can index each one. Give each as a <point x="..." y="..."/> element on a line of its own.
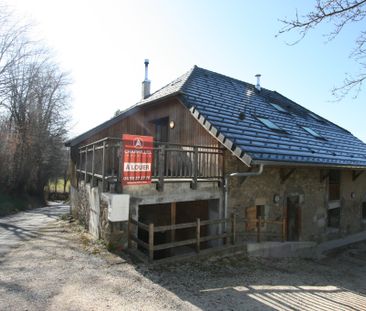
<point x="340" y="13"/>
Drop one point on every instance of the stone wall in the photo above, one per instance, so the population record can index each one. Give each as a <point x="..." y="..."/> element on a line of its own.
<point x="114" y="234"/>
<point x="80" y="204"/>
<point x="312" y="190"/>
<point x="351" y="218"/>
<point x="305" y="183"/>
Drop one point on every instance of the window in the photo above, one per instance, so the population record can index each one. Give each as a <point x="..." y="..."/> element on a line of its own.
<point x="270" y="124"/>
<point x="334" y="196"/>
<point x="364" y="210"/>
<point x="253" y="213"/>
<point x="278" y="107"/>
<point x="334" y="186"/>
<point x="312" y="132"/>
<point x="314" y="116"/>
<point x="161" y="129"/>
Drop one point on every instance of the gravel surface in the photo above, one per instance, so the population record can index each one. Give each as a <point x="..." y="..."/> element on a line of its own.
<point x="23" y="226"/>
<point x="61" y="268"/>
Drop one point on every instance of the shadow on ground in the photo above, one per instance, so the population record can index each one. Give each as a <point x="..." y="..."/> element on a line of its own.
<point x="60" y="268"/>
<point x="337" y="282"/>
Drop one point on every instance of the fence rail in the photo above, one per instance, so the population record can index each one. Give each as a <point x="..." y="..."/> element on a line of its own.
<point x="102" y="160"/>
<point x="230" y="236"/>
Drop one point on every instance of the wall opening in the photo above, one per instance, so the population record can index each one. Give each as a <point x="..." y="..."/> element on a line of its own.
<point x="293" y="218"/>
<point x="178" y="213"/>
<point x="363" y="212"/>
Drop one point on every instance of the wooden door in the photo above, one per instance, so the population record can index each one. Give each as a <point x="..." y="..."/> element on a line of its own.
<point x="293" y="218"/>
<point x="162" y="130"/>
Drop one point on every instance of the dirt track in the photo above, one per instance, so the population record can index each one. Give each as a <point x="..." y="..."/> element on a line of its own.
<point x="60" y="269"/>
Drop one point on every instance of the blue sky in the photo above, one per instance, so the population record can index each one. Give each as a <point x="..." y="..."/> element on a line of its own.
<point x="103" y="45"/>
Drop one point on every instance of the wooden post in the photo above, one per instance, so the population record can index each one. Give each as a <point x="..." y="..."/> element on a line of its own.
<point x="78" y="173"/>
<point x="259" y="224"/>
<point x="173" y="215"/>
<point x="129" y="231"/>
<point x="198" y="235"/>
<point x="151" y="242"/>
<point x="161" y="167"/>
<point x="103" y="166"/>
<point x="86" y="164"/>
<point x="233" y="228"/>
<point x="283" y="229"/>
<point x="195" y="167"/>
<point x="119" y="174"/>
<point x="113" y="149"/>
<point x="93" y="170"/>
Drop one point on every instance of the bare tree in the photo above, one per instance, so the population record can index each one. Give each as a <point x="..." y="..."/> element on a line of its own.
<point x="33" y="111"/>
<point x="14" y="44"/>
<point x="340" y="13"/>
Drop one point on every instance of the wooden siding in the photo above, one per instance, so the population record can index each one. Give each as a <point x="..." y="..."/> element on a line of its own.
<point x="186" y="131"/>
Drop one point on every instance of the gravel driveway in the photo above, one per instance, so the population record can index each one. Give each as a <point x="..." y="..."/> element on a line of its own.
<point x="60" y="268"/>
<point x="23" y="226"/>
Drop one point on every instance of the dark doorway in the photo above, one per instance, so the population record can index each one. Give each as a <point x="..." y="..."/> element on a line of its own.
<point x="293" y="218"/>
<point x="176" y="213"/>
<point x="159" y="215"/>
<point x="162" y="129"/>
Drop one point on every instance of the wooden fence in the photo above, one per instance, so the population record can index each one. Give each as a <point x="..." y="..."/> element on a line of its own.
<point x="230" y="236"/>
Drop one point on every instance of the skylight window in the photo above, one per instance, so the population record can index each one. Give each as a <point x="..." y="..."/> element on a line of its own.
<point x="314" y="116"/>
<point x="270" y="124"/>
<point x="312" y="132"/>
<point x="278" y="107"/>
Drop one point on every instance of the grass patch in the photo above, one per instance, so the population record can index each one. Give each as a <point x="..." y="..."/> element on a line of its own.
<point x="58" y="186"/>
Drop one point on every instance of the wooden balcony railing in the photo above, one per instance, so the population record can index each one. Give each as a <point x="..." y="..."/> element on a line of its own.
<point x="101" y="160"/>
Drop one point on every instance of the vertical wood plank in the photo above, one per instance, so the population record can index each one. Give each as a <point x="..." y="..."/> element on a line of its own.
<point x="161" y="167"/>
<point x="93" y="165"/>
<point x="103" y="166"/>
<point x="129" y="231"/>
<point x="86" y="164"/>
<point x="173" y="217"/>
<point x="113" y="149"/>
<point x="195" y="167"/>
<point x="198" y="235"/>
<point x="119" y="173"/>
<point x="151" y="242"/>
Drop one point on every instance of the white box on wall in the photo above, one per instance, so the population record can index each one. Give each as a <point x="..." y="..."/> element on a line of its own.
<point x="118" y="206"/>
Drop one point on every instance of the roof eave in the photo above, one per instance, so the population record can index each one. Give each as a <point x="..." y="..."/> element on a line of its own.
<point x="306" y="164"/>
<point x="226" y="142"/>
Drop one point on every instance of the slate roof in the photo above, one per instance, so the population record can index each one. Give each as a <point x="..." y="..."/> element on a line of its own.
<point x="220" y="102"/>
<point x="230" y="110"/>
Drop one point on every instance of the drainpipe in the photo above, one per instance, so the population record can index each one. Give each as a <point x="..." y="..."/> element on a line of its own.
<point x="226" y="184"/>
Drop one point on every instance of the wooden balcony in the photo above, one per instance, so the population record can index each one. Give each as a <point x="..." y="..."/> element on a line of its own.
<point x="101" y="162"/>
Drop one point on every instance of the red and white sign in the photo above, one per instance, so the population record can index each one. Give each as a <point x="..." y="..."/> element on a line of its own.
<point x="137" y="159"/>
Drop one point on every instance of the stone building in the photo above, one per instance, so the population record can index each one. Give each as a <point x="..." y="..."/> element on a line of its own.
<point x="244" y="162"/>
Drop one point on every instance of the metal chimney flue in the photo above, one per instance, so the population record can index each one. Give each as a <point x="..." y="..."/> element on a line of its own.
<point x="146" y="83"/>
<point x="258" y="85"/>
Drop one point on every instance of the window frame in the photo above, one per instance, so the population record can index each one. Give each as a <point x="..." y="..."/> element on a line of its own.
<point x="334" y="202"/>
<point x="279" y="107"/>
<point x="312" y="132"/>
<point x="270" y="124"/>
